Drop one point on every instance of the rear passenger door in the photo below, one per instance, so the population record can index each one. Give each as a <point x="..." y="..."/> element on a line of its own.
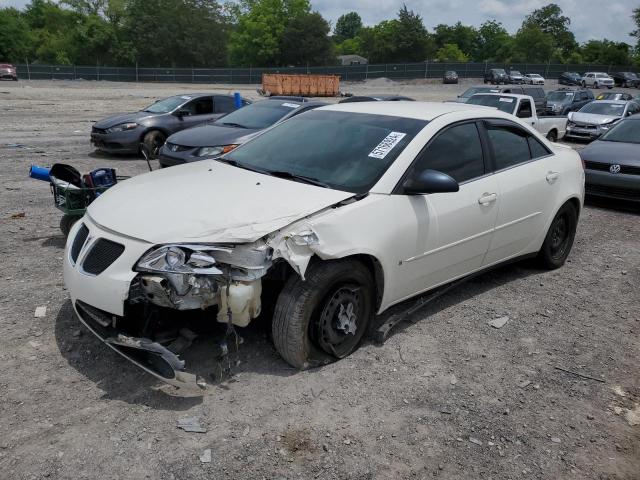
<point x="198" y="111"/>
<point x="523" y="168"/>
<point x="223" y="104"/>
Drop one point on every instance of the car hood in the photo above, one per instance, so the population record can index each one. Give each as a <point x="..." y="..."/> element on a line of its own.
<point x="211" y="136"/>
<point x="119" y="118"/>
<point x="592" y="118"/>
<point x="612" y="152"/>
<point x="207" y="201"/>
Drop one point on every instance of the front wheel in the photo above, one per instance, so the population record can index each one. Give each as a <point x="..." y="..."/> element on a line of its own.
<point x="610" y="87"/>
<point x="325" y="316"/>
<point x="595" y="85"/>
<point x="153" y="140"/>
<point x="559" y="240"/>
<point x="67" y="222"/>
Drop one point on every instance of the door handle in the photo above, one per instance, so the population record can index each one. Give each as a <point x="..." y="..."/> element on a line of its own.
<point x="487" y="198"/>
<point x="552" y="176"/>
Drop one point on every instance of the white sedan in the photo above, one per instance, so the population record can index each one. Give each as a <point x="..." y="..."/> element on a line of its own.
<point x="324" y="221"/>
<point x="533" y="79"/>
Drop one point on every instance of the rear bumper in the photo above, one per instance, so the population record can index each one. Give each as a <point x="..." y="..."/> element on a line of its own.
<point x="119" y="142"/>
<point x="619" y="186"/>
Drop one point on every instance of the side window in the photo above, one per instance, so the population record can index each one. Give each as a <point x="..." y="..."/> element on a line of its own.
<point x="224" y="104"/>
<point x="525" y="110"/>
<point x="536" y="148"/>
<point x="199" y="106"/>
<point x="510" y="146"/>
<point x="456" y="151"/>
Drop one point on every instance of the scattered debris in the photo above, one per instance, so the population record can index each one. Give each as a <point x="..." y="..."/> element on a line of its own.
<point x="40" y="312"/>
<point x="206" y="456"/>
<point x="191" y="424"/>
<point x="18" y="215"/>
<point x="498" y="322"/>
<point x="524" y="384"/>
<point x="619" y="391"/>
<point x="580" y="374"/>
<point x="556" y="439"/>
<point x="15" y="145"/>
<point x="633" y="416"/>
<point x="617" y="410"/>
<point x="475" y="440"/>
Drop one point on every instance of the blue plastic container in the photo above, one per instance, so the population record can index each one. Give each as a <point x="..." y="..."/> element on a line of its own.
<point x="238" y="99"/>
<point x="39" y="173"/>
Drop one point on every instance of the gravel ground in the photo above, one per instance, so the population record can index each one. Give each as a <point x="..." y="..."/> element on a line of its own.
<point x="446" y="396"/>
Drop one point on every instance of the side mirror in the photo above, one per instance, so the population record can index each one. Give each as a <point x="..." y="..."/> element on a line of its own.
<point x="183" y="113"/>
<point x="430" y="181"/>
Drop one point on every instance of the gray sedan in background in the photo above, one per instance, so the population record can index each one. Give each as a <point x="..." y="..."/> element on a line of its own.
<point x="225" y="134"/>
<point x="123" y="133"/>
<point x="612" y="163"/>
<point x="598" y="117"/>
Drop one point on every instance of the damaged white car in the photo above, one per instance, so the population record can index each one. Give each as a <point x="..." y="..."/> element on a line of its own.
<point x="321" y="223"/>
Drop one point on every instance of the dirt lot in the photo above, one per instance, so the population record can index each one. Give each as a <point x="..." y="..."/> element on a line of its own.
<point x="446" y="396"/>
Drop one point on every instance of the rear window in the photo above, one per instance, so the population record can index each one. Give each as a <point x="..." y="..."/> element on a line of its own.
<point x="503" y="103"/>
<point x="473" y="90"/>
<point x="535" y="92"/>
<point x="258" y="115"/>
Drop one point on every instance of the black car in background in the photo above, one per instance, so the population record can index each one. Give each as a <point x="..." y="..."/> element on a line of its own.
<point x="626" y="79"/>
<point x="496" y="76"/>
<point x="612" y="162"/>
<point x="225" y="134"/>
<point x="570" y="78"/>
<point x="565" y="100"/>
<point x="383" y="97"/>
<point x="123" y="133"/>
<point x="450" y="76"/>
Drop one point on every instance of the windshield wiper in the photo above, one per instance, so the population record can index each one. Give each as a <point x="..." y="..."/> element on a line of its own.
<point x="235" y="163"/>
<point x="301" y="178"/>
<point x="231" y="124"/>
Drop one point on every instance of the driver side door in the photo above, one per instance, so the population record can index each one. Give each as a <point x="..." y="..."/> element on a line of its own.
<point x="453" y="230"/>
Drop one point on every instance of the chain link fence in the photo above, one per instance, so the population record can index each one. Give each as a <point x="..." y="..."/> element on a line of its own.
<point x="394" y="71"/>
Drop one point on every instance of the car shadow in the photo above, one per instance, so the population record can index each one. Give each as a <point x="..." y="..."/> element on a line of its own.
<point x="474" y="286"/>
<point x="114" y="375"/>
<point x="57" y="241"/>
<point x="113" y="156"/>
<point x="613" y="204"/>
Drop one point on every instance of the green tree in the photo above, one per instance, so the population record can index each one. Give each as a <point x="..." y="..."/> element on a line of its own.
<point x="551" y="21"/>
<point x="413" y="41"/>
<point x="606" y="52"/>
<point x="257" y="38"/>
<point x="466" y="38"/>
<point x="52" y="32"/>
<point x="182" y="33"/>
<point x="350" y="46"/>
<point x="494" y="43"/>
<point x="450" y="52"/>
<point x="305" y="41"/>
<point x="15" y="39"/>
<point x="348" y="26"/>
<point x="532" y="45"/>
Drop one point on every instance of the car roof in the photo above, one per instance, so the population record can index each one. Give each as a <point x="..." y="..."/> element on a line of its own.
<point x="417" y="110"/>
<point x="616" y="102"/>
<point x="514" y="95"/>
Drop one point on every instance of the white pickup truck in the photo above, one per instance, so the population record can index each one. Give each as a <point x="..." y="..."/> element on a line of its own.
<point x="523" y="107"/>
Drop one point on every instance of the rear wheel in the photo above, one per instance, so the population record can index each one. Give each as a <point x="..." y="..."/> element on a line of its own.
<point x="559" y="240"/>
<point x="325" y="316"/>
<point x="552" y="136"/>
<point x="153" y="140"/>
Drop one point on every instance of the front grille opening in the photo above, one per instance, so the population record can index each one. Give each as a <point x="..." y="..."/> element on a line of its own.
<point x="103" y="253"/>
<point x="78" y="242"/>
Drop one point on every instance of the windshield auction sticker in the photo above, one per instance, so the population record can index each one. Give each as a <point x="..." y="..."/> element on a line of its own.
<point x="386" y="145"/>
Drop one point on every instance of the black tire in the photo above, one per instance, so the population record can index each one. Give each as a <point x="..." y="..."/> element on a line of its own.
<point x="559" y="240"/>
<point x="305" y="322"/>
<point x="595" y="85"/>
<point x="609" y="87"/>
<point x="153" y="140"/>
<point x="67" y="222"/>
<point x="552" y="136"/>
<point x="584" y="84"/>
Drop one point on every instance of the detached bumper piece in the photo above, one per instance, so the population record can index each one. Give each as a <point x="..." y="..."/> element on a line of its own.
<point x="147" y="354"/>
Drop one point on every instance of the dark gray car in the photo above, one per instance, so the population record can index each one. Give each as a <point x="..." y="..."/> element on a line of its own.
<point x="123" y="133"/>
<point x="564" y="100"/>
<point x="223" y="135"/>
<point x="612" y="163"/>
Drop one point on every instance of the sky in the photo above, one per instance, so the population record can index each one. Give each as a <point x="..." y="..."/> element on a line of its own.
<point x="590" y="19"/>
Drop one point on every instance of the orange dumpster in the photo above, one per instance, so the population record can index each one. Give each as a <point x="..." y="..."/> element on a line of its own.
<point x="301" y="85"/>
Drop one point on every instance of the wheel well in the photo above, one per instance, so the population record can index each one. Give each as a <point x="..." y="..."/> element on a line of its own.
<point x="576" y="204"/>
<point x="153" y="129"/>
<point x="375" y="268"/>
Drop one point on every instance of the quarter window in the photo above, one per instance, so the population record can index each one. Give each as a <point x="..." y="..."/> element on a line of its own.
<point x="457" y="152"/>
<point x="199" y="106"/>
<point x="537" y="149"/>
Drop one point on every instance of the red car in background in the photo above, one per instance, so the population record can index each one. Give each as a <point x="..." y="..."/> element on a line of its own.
<point x="8" y="71"/>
